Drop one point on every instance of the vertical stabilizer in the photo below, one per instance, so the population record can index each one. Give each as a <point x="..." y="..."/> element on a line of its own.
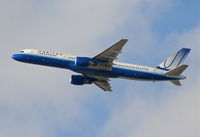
<point x="174" y="60"/>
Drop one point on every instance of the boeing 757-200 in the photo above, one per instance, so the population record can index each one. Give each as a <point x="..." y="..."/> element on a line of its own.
<point x="100" y="68"/>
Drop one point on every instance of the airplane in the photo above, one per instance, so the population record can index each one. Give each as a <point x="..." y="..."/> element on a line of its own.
<point x="102" y="67"/>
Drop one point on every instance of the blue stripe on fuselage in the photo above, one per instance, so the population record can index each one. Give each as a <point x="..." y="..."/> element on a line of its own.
<point x="70" y="64"/>
<point x="42" y="60"/>
<point x="158" y="67"/>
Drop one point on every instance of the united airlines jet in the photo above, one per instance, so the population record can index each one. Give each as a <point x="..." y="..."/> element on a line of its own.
<point x="100" y="68"/>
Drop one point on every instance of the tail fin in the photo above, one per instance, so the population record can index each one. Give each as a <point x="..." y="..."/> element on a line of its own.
<point x="174" y="60"/>
<point x="176" y="72"/>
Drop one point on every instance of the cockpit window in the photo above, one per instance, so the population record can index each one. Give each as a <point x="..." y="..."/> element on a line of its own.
<point x="21" y="51"/>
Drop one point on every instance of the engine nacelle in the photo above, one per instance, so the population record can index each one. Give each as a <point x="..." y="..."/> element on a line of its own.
<point x="83" y="61"/>
<point x="80" y="80"/>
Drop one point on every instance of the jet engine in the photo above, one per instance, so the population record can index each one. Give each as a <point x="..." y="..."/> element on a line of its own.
<point x="80" y="80"/>
<point x="83" y="61"/>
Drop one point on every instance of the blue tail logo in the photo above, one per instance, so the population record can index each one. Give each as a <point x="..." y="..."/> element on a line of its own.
<point x="174" y="60"/>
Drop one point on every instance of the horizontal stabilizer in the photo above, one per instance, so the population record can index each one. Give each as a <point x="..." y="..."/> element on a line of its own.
<point x="177" y="71"/>
<point x="176" y="82"/>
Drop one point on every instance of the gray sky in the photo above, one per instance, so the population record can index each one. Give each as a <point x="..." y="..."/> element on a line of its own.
<point x="40" y="101"/>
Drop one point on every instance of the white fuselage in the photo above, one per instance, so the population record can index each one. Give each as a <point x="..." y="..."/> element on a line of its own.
<point x="119" y="70"/>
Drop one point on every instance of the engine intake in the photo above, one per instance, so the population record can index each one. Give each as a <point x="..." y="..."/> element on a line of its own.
<point x="83" y="61"/>
<point x="80" y="80"/>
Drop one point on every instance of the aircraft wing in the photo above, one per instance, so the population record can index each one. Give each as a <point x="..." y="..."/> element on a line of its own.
<point x="108" y="56"/>
<point x="105" y="85"/>
<point x="112" y="52"/>
<point x="102" y="82"/>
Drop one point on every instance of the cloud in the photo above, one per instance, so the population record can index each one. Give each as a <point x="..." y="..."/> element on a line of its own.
<point x="39" y="101"/>
<point x="176" y="115"/>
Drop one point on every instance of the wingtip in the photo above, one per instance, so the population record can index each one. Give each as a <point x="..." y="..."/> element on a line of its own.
<point x="124" y="39"/>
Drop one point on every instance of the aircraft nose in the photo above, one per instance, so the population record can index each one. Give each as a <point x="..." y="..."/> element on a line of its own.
<point x="14" y="56"/>
<point x="17" y="57"/>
